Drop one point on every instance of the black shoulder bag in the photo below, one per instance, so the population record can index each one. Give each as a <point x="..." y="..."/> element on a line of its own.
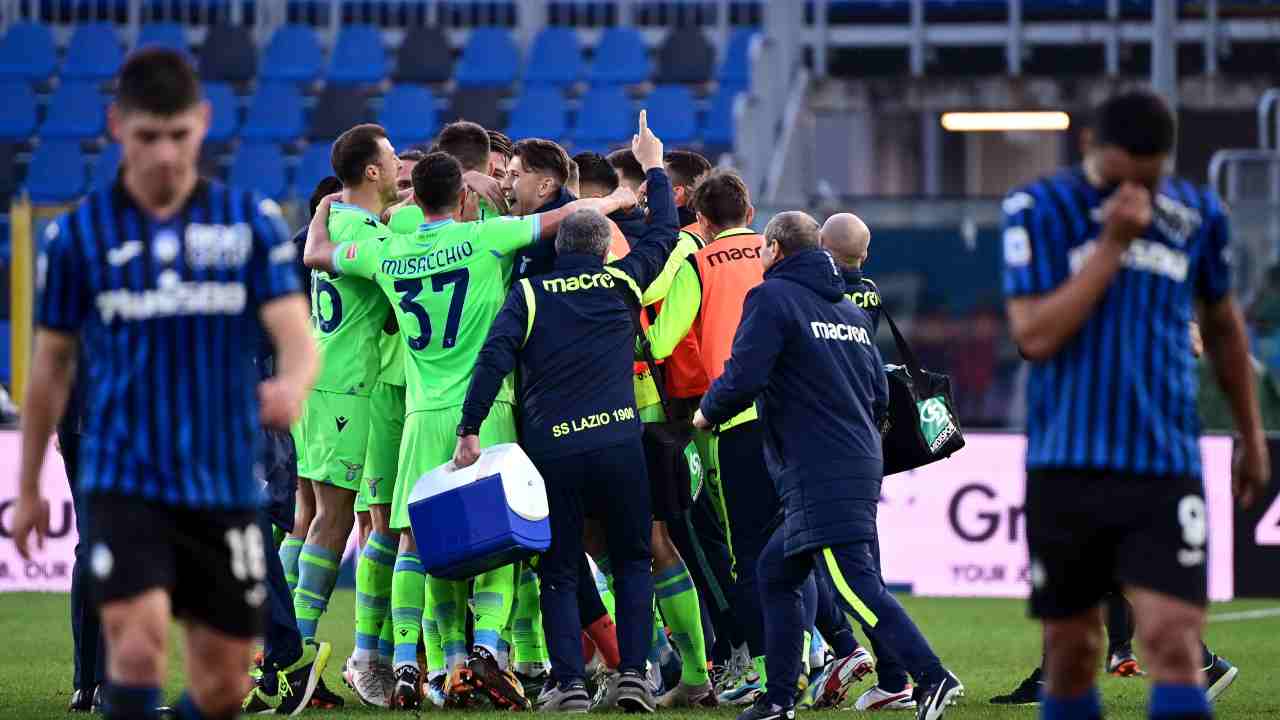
<point x="922" y="426"/>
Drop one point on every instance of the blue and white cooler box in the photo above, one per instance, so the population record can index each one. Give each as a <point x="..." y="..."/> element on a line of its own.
<point x="471" y="520"/>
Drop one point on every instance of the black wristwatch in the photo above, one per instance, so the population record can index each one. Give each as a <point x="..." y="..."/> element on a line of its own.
<point x="465" y="430"/>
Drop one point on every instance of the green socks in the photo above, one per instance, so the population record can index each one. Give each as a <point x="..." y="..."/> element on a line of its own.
<point x="449" y="608"/>
<point x="431" y="638"/>
<point x="317" y="574"/>
<point x="526" y="625"/>
<point x="290" y="548"/>
<point x="374" y="570"/>
<point x="495" y="593"/>
<point x="678" y="599"/>
<point x="408" y="595"/>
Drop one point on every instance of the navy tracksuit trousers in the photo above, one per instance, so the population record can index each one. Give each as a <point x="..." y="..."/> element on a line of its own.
<point x="854" y="574"/>
<point x="612" y="484"/>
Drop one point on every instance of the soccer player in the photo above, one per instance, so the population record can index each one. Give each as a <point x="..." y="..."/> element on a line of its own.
<point x="535" y="182"/>
<point x="368" y="672"/>
<point x="685" y="168"/>
<point x="806" y="358"/>
<point x="597" y="178"/>
<point x="447" y="282"/>
<point x="500" y="151"/>
<point x="348" y="314"/>
<point x="705" y="299"/>
<point x="159" y="276"/>
<point x="1105" y="264"/>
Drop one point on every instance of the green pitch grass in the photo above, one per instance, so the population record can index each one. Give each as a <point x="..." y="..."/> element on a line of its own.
<point x="989" y="644"/>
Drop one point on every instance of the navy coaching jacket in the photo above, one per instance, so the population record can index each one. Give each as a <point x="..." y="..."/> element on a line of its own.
<point x="573" y="333"/>
<point x="805" y="355"/>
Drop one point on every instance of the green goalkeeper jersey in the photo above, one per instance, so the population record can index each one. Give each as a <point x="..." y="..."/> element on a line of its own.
<point x="447" y="282"/>
<point x="348" y="313"/>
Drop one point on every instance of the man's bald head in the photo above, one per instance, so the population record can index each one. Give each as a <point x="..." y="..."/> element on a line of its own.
<point x="847" y="238"/>
<point x="787" y="234"/>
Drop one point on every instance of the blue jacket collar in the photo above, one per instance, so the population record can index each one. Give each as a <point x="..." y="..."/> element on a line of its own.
<point x="575" y="261"/>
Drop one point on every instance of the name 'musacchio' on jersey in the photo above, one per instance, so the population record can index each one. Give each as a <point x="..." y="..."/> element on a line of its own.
<point x="1121" y="394"/>
<point x="167" y="316"/>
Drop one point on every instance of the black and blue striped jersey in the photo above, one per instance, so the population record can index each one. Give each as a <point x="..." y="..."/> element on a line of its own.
<point x="1121" y="394"/>
<point x="167" y="316"/>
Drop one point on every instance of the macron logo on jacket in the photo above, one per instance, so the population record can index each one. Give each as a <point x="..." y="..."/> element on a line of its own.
<point x="839" y="331"/>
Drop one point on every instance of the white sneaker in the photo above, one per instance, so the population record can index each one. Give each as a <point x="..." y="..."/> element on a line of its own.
<point x="877" y="699"/>
<point x="840" y="675"/>
<point x="367" y="681"/>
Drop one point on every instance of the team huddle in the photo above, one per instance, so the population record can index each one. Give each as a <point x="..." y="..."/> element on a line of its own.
<point x="704" y="403"/>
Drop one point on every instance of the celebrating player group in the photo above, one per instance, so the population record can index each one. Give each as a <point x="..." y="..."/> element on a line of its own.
<point x="249" y="398"/>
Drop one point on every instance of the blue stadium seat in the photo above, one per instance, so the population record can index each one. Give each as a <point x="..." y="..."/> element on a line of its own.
<point x="409" y="116"/>
<point x="555" y="58"/>
<point x="313" y="166"/>
<point x="260" y="167"/>
<point x="163" y="34"/>
<point x="358" y="57"/>
<point x="56" y="174"/>
<point x="275" y="114"/>
<point x="106" y="166"/>
<point x="226" y="112"/>
<point x="489" y="59"/>
<point x="621" y="58"/>
<point x="93" y="54"/>
<point x="539" y="112"/>
<point x="672" y="113"/>
<point x="18" y="113"/>
<point x="717" y="128"/>
<point x="735" y="71"/>
<point x="293" y="55"/>
<point x="27" y="53"/>
<point x="76" y="111"/>
<point x="609" y="119"/>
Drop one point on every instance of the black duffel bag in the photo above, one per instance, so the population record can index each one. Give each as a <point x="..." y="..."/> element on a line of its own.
<point x="922" y="426"/>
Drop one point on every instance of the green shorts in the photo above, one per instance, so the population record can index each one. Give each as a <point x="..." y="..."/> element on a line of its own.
<point x="429" y="439"/>
<point x="386" y="422"/>
<point x="334" y="431"/>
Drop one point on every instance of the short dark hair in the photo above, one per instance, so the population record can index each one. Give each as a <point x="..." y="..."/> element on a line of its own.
<point x="723" y="198"/>
<point x="355" y="150"/>
<point x="1138" y="122"/>
<point x="685" y="167"/>
<point x="628" y="167"/>
<point x="158" y="81"/>
<point x="437" y="181"/>
<point x="468" y="142"/>
<point x="594" y="169"/>
<point x="544" y="156"/>
<point x="411" y="155"/>
<point x="327" y="186"/>
<point x="793" y="231"/>
<point x="501" y="144"/>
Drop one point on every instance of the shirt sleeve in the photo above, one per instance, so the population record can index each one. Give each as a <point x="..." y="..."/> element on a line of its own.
<point x="360" y="258"/>
<point x="63" y="299"/>
<point x="1213" y="272"/>
<point x="498" y="356"/>
<point x="678" y="312"/>
<point x="661" y="286"/>
<point x="275" y="270"/>
<point x="649" y="256"/>
<point x="509" y="234"/>
<point x="1026" y="246"/>
<point x="756" y="346"/>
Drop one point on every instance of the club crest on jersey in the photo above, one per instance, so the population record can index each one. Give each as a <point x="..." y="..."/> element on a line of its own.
<point x="165" y="246"/>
